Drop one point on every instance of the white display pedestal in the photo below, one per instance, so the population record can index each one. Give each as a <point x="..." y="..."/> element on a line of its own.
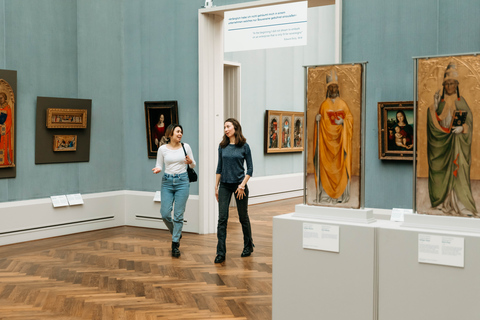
<point x="376" y="274"/>
<point x="313" y="284"/>
<point x="411" y="290"/>
<point x="337" y="214"/>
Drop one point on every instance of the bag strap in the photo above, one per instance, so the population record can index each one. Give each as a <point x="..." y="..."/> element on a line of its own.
<point x="188" y="167"/>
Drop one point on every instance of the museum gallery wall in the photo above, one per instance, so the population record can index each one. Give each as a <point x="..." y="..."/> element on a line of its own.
<point x="334" y="135"/>
<point x="448" y="170"/>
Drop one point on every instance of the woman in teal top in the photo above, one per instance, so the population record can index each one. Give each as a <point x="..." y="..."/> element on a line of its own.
<point x="231" y="178"/>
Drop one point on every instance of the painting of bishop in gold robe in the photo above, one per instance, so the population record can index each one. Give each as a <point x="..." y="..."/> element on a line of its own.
<point x="333" y="117"/>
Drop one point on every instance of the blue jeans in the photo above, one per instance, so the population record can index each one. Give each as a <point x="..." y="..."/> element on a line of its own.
<point x="175" y="190"/>
<point x="225" y="191"/>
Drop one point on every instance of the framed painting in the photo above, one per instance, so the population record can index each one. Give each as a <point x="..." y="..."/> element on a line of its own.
<point x="395" y="130"/>
<point x="448" y="140"/>
<point x="158" y="116"/>
<point x="7" y="125"/>
<point x="64" y="143"/>
<point x="66" y="118"/>
<point x="284" y="131"/>
<point x="334" y="135"/>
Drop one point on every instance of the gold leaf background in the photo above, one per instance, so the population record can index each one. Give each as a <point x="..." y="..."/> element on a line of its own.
<point x="350" y="88"/>
<point x="430" y="78"/>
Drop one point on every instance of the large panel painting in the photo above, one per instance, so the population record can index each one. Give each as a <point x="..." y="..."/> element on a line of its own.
<point x="448" y="169"/>
<point x="334" y="102"/>
<point x="8" y="110"/>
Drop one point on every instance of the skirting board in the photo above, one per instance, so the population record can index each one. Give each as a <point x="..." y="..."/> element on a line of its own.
<point x="37" y="219"/>
<point x="271" y="188"/>
<point x="29" y="220"/>
<point x="142" y="211"/>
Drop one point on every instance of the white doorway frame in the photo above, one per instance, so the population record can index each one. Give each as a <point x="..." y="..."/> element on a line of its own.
<point x="210" y="104"/>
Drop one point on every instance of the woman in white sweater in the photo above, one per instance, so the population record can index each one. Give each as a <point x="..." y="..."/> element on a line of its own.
<point x="175" y="183"/>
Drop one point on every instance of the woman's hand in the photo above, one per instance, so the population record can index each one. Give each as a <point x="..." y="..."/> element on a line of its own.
<point x="156" y="170"/>
<point x="188" y="160"/>
<point x="216" y="193"/>
<point x="240" y="192"/>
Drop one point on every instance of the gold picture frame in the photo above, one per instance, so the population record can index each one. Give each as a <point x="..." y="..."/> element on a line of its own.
<point x="66" y="118"/>
<point x="284" y="131"/>
<point x="64" y="142"/>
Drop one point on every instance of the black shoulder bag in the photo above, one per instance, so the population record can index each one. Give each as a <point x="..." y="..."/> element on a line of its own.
<point x="192" y="175"/>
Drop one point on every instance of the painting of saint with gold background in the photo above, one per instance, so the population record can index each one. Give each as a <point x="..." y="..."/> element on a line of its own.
<point x="448" y="170"/>
<point x="334" y="99"/>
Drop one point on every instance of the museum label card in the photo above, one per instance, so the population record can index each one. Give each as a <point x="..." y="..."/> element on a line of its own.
<point x="442" y="250"/>
<point x="59" y="201"/>
<point x="321" y="237"/>
<point x="75" y="199"/>
<point x="397" y="214"/>
<point x="157" y="197"/>
<point x="275" y="26"/>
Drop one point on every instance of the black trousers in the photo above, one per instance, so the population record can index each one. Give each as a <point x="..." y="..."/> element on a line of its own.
<point x="225" y="192"/>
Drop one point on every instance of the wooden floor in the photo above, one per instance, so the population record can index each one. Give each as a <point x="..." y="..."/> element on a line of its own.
<point x="128" y="273"/>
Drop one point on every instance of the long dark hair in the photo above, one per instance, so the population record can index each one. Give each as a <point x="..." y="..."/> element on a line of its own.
<point x="169" y="133"/>
<point x="239" y="138"/>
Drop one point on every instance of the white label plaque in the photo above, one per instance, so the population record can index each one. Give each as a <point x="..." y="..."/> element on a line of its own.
<point x="74" y="199"/>
<point x="157" y="197"/>
<point x="59" y="201"/>
<point x="276" y="26"/>
<point x="443" y="250"/>
<point x="321" y="237"/>
<point x="397" y="214"/>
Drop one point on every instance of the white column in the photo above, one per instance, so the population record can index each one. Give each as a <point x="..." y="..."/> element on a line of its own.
<point x="210" y="72"/>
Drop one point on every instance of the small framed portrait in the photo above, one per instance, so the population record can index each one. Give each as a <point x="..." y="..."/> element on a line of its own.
<point x="395" y="130"/>
<point x="158" y="116"/>
<point x="283" y="131"/>
<point x="66" y="118"/>
<point x="64" y="143"/>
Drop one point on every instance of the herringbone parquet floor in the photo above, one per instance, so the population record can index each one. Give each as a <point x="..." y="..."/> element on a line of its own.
<point x="127" y="273"/>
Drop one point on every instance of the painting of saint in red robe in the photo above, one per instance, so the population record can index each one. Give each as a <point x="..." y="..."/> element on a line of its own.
<point x="7" y="107"/>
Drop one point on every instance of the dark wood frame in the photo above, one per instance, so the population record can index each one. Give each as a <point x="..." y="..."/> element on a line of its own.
<point x="386" y="152"/>
<point x="153" y="110"/>
<point x="279" y="116"/>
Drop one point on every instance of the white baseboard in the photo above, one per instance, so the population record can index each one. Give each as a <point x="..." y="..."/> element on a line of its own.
<point x="37" y="219"/>
<point x="142" y="211"/>
<point x="271" y="188"/>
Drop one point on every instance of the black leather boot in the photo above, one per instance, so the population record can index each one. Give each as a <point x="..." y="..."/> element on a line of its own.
<point x="175" y="251"/>
<point x="247" y="251"/>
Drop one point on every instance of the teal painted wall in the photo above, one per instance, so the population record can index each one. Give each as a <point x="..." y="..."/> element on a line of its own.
<point x="117" y="53"/>
<point x="388" y="34"/>
<point x="160" y="64"/>
<point x="122" y="53"/>
<point x="67" y="49"/>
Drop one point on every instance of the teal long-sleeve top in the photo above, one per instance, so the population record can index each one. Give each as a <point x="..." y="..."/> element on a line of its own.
<point x="231" y="161"/>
